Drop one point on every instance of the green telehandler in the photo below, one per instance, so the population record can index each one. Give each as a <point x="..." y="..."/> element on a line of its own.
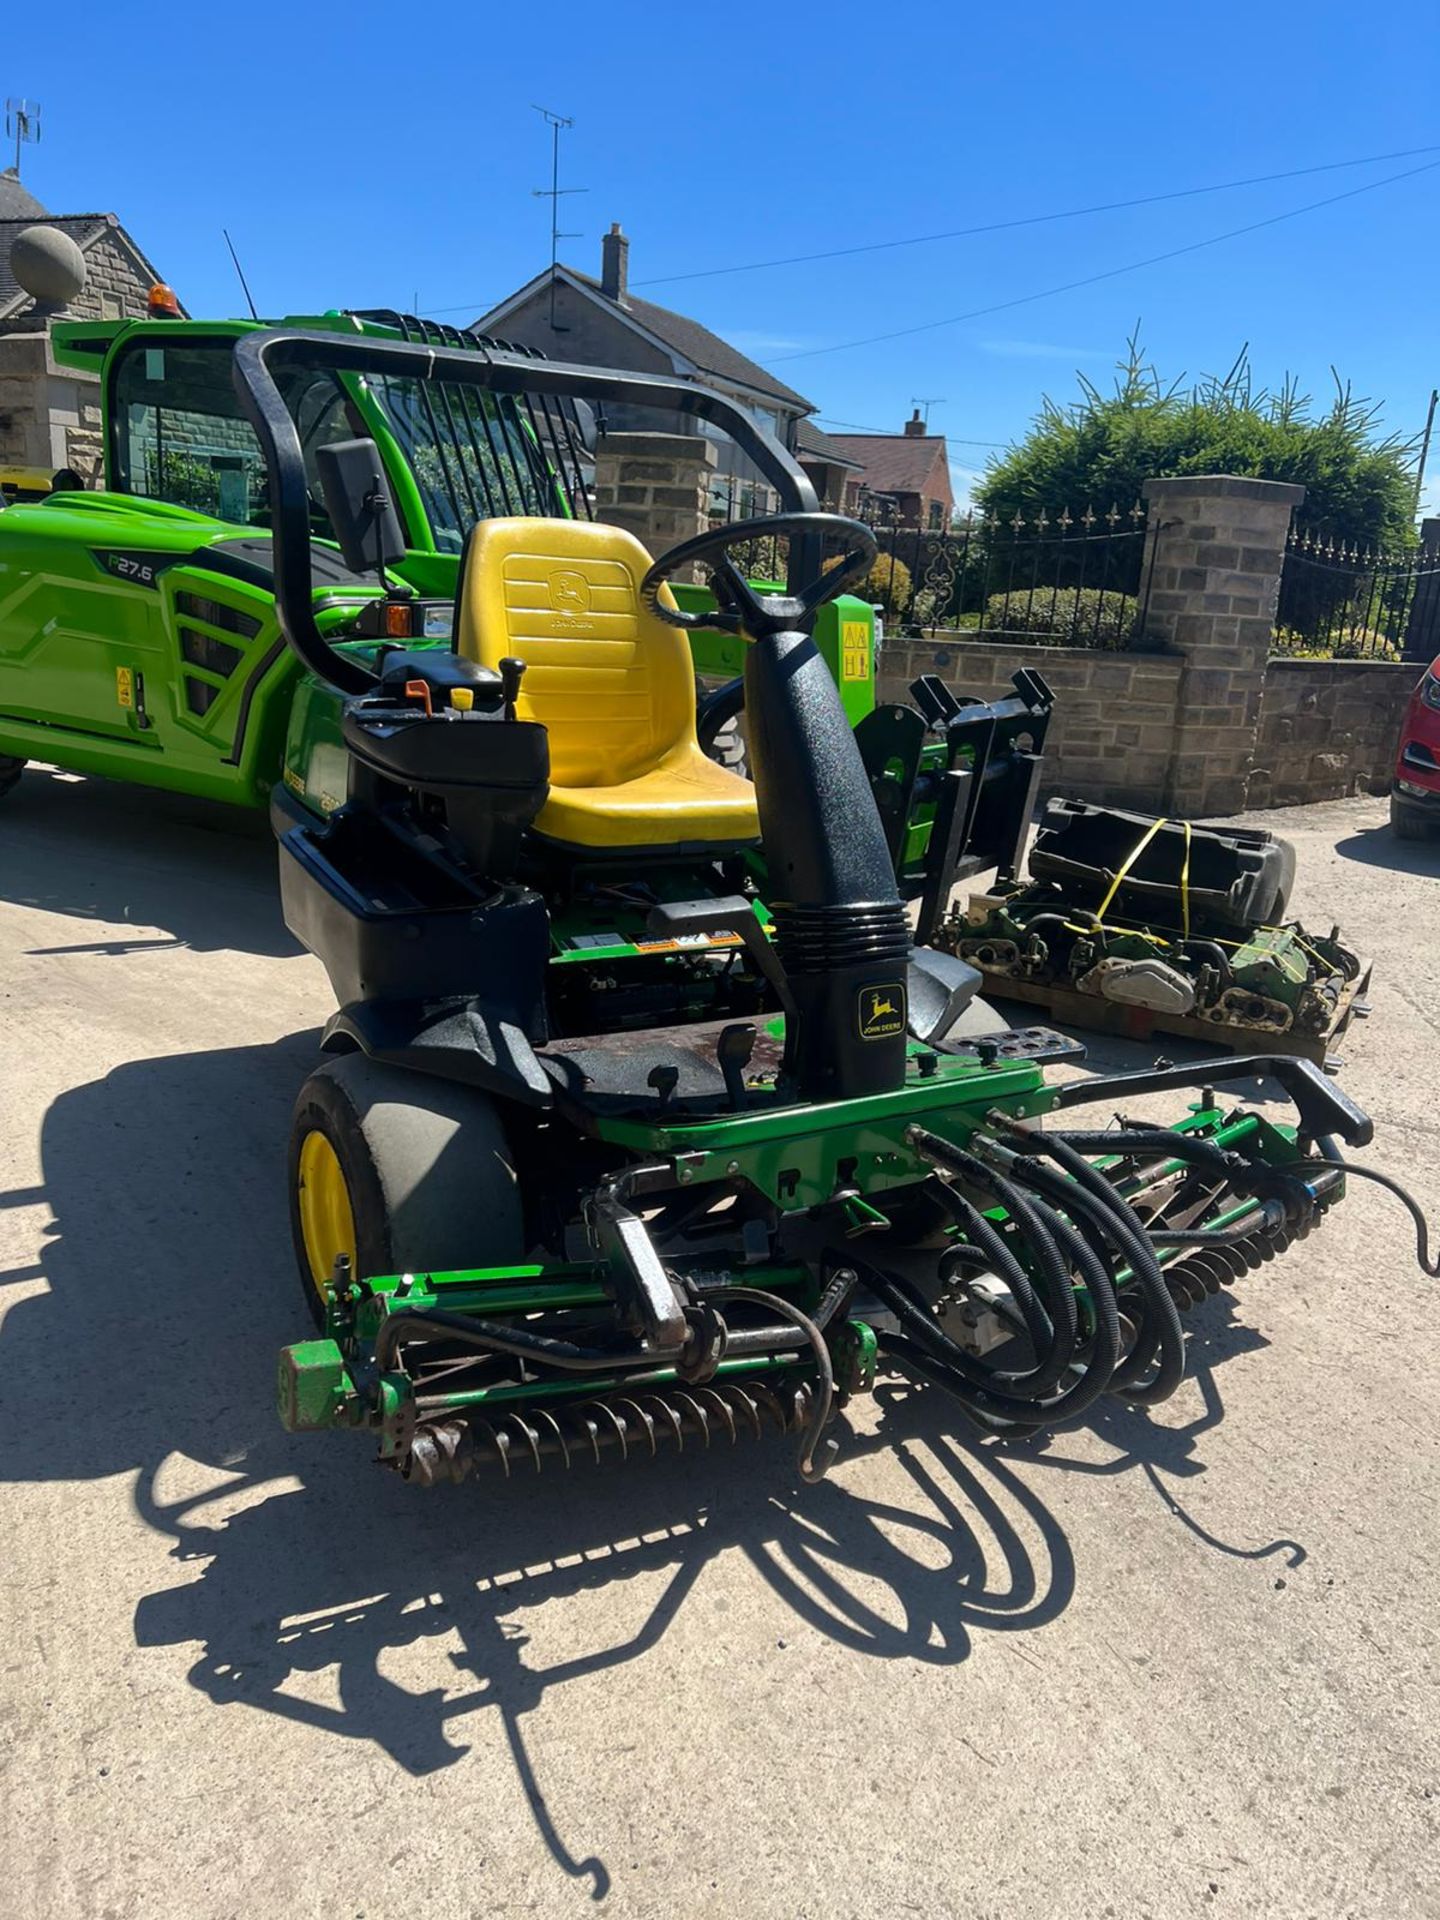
<point x="139" y="633"/>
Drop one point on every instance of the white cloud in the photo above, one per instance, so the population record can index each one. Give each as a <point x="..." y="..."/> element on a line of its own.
<point x="1040" y="350"/>
<point x="749" y="342"/>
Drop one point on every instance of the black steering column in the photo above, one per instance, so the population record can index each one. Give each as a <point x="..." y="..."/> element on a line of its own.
<point x="841" y="930"/>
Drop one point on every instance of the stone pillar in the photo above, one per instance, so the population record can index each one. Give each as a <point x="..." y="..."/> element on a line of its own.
<point x="655" y="484"/>
<point x="1212" y="567"/>
<point x="49" y="415"/>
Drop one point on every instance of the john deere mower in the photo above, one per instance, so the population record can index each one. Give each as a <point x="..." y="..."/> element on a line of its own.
<point x="644" y="1122"/>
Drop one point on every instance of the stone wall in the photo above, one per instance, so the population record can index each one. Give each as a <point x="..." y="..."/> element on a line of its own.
<point x="1325" y="729"/>
<point x="1113" y="734"/>
<point x="50" y="415"/>
<point x="1328" y="729"/>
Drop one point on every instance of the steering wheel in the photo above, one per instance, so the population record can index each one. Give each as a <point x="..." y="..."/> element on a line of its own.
<point x="739" y="609"/>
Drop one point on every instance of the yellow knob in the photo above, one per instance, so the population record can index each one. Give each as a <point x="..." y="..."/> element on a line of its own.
<point x="463" y="698"/>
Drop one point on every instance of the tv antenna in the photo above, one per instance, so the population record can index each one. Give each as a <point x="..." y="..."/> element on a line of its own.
<point x="927" y="401"/>
<point x="554" y="193"/>
<point x="22" y="118"/>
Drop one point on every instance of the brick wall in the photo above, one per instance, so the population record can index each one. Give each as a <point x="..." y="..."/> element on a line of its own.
<point x="1328" y="729"/>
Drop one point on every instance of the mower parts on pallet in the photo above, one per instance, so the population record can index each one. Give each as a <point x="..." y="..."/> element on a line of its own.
<point x="1133" y="923"/>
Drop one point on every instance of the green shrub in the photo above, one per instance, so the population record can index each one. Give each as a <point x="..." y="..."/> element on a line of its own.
<point x="888" y="583"/>
<point x="1064" y="617"/>
<point x="1099" y="449"/>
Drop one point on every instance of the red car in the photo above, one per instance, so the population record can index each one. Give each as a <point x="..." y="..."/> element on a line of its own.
<point x="1415" y="796"/>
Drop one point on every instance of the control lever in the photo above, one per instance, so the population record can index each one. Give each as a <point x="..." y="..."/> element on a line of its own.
<point x="512" y="672"/>
<point x="664" y="1080"/>
<point x="733" y="1050"/>
<point x="727" y="913"/>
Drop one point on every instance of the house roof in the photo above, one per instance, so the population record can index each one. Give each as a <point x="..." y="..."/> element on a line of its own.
<point x="898" y="462"/>
<point x="83" y="228"/>
<point x="811" y="444"/>
<point x="697" y="344"/>
<point x="16" y="201"/>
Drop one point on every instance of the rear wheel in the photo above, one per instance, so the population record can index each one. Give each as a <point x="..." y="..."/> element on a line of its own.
<point x="10" y="772"/>
<point x="401" y="1172"/>
<point x="1405" y="822"/>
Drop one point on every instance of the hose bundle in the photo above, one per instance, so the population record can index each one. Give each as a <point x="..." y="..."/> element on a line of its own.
<point x="1090" y="1292"/>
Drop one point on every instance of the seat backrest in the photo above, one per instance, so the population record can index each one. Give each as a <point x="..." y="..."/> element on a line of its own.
<point x="613" y="686"/>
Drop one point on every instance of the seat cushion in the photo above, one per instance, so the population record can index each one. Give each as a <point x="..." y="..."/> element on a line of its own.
<point x="686" y="800"/>
<point x="613" y="686"/>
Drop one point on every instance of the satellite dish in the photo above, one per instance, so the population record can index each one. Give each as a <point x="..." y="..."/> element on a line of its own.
<point x="48" y="265"/>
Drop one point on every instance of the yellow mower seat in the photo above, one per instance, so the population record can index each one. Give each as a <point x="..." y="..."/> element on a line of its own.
<point x="613" y="686"/>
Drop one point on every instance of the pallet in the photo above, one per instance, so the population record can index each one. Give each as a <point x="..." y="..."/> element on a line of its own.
<point x="1091" y="1011"/>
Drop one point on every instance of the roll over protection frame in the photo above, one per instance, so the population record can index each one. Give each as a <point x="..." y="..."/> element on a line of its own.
<point x="258" y="354"/>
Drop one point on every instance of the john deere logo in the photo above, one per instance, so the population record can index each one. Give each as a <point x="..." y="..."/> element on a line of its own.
<point x="882" y="1011"/>
<point x="569" y="592"/>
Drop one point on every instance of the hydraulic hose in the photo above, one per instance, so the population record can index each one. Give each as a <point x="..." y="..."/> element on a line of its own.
<point x="1428" y="1265"/>
<point x="1013" y="1400"/>
<point x="1162" y="1330"/>
<point x="1051" y="1271"/>
<point x="811" y="1467"/>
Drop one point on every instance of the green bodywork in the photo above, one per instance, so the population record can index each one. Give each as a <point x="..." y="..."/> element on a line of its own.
<point x="123" y="654"/>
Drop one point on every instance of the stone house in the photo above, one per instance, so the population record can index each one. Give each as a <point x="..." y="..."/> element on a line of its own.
<point x="569" y="315"/>
<point x="49" y="415"/>
<point x="905" y="476"/>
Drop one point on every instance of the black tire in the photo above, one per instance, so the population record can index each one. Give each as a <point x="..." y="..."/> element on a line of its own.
<point x="1405" y="822"/>
<point x="10" y="772"/>
<point x="426" y="1168"/>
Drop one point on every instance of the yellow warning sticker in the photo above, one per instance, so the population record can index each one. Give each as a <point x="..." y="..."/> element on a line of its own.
<point x="125" y="686"/>
<point x="854" y="650"/>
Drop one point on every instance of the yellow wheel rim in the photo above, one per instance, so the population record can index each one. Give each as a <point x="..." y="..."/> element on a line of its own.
<point x="327" y="1224"/>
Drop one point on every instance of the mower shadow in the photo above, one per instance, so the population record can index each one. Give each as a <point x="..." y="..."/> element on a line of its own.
<point x="170" y="1289"/>
<point x="100" y="850"/>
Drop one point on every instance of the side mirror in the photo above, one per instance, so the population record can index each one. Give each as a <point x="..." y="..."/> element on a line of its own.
<point x="587" y="429"/>
<point x="357" y="499"/>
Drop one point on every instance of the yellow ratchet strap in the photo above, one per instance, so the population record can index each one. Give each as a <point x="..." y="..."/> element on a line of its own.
<point x="1185" y="884"/>
<point x="1128" y="862"/>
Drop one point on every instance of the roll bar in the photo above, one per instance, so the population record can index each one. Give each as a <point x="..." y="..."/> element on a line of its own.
<point x="257" y="355"/>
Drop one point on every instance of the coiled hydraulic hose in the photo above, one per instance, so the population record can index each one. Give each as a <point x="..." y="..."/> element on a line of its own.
<point x="1160" y="1331"/>
<point x="1019" y="1402"/>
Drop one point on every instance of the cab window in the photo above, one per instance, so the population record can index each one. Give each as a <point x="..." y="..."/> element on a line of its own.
<point x="180" y="434"/>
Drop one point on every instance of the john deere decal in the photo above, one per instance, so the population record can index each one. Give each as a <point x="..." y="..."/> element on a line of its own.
<point x="882" y="1011"/>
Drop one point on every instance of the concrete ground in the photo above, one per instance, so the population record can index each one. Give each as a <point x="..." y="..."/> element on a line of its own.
<point x="1162" y="1666"/>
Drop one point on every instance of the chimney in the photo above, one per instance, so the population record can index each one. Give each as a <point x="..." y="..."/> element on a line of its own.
<point x="915" y="428"/>
<point x="614" y="264"/>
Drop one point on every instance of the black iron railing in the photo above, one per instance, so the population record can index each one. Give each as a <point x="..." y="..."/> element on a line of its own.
<point x="1345" y="602"/>
<point x="1066" y="580"/>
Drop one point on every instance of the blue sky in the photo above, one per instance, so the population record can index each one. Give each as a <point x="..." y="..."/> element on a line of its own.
<point x="362" y="155"/>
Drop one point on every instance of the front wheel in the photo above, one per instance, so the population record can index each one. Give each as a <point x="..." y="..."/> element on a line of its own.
<point x="400" y="1172"/>
<point x="10" y="772"/>
<point x="1406" y="823"/>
